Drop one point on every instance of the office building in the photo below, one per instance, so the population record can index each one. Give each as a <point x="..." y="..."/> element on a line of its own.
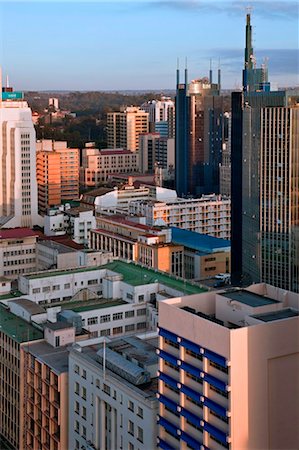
<point x="156" y="152"/>
<point x="113" y="404"/>
<point x="225" y="166"/>
<point x="125" y="126"/>
<point x="199" y="136"/>
<point x="206" y="215"/>
<point x="265" y="211"/>
<point x="14" y="332"/>
<point x="57" y="172"/>
<point x="44" y="389"/>
<point x="223" y="356"/>
<point x="17" y="252"/>
<point x="161" y="116"/>
<point x="18" y="191"/>
<point x="98" y="164"/>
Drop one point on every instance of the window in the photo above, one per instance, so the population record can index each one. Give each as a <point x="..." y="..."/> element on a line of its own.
<point x="130" y="406"/>
<point x="106" y="389"/>
<point x="77" y="388"/>
<point x="140" y="434"/>
<point x="141" y="325"/>
<point x="140" y="412"/>
<point x="131" y="427"/>
<point x="130" y="327"/>
<point x="67" y="286"/>
<point x="83" y="412"/>
<point x="129" y="314"/>
<point x="35" y="290"/>
<point x="131" y="446"/>
<point x="104" y="319"/>
<point x="84" y="374"/>
<point x="90" y="282"/>
<point x="141" y="298"/>
<point x="76" y="368"/>
<point x="57" y="341"/>
<point x="105" y="332"/>
<point x="92" y="321"/>
<point x="117" y="330"/>
<point x="76" y="426"/>
<point x="117" y="316"/>
<point x="84" y="393"/>
<point x="56" y="287"/>
<point x="83" y="431"/>
<point x="46" y="289"/>
<point x="129" y="296"/>
<point x="141" y="312"/>
<point x="77" y="407"/>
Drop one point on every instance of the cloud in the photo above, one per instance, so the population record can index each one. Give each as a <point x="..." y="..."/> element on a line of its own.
<point x="266" y="8"/>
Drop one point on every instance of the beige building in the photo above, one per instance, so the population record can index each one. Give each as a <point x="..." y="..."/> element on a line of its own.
<point x="229" y="370"/>
<point x="125" y="126"/>
<point x="98" y="164"/>
<point x="14" y="333"/>
<point x="17" y="252"/>
<point x="57" y="173"/>
<point x="44" y="390"/>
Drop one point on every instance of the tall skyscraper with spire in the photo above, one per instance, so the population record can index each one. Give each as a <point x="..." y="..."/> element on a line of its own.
<point x="265" y="182"/>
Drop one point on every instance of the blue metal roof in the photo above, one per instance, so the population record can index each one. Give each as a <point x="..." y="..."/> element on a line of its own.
<point x="199" y="242"/>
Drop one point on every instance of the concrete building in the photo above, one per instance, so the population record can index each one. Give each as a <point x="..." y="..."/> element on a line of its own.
<point x="113" y="405"/>
<point x="14" y="332"/>
<point x="223" y="358"/>
<point x="98" y="164"/>
<point x="225" y="166"/>
<point x="204" y="256"/>
<point x="17" y="252"/>
<point x="44" y="390"/>
<point x="125" y="126"/>
<point x="161" y="116"/>
<point x="154" y="151"/>
<point x="206" y="215"/>
<point x="18" y="191"/>
<point x="57" y="173"/>
<point x="126" y="239"/>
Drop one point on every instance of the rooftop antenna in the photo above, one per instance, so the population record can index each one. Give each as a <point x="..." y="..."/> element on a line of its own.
<point x="219" y="76"/>
<point x="186" y="72"/>
<point x="178" y="72"/>
<point x="211" y="72"/>
<point x="7" y="81"/>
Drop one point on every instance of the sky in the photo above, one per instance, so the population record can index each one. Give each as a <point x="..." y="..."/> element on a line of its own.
<point x="122" y="45"/>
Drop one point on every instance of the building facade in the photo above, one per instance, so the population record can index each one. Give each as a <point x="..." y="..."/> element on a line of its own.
<point x="222" y="356"/>
<point x="161" y="116"/>
<point x="125" y="126"/>
<point x="18" y="192"/>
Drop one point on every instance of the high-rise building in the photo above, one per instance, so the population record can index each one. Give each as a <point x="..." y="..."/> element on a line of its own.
<point x="18" y="186"/>
<point x="265" y="186"/>
<point x="228" y="371"/>
<point x="125" y="126"/>
<point x="57" y="172"/>
<point x="199" y="135"/>
<point x="155" y="150"/>
<point x="161" y="116"/>
<point x="225" y="166"/>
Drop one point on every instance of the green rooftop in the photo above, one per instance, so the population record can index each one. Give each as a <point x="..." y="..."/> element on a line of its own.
<point x="17" y="328"/>
<point x="138" y="275"/>
<point x="11" y="294"/>
<point x="89" y="307"/>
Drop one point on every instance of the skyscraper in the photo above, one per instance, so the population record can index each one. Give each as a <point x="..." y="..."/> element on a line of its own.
<point x="199" y="130"/>
<point x="265" y="186"/>
<point x="18" y="186"/>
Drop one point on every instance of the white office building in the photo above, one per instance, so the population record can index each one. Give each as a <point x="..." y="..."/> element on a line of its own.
<point x="18" y="185"/>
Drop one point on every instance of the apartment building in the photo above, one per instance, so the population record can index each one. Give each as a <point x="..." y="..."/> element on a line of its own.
<point x="161" y="115"/>
<point x="44" y="390"/>
<point x="97" y="164"/>
<point x="206" y="215"/>
<point x="113" y="405"/>
<point x="128" y="239"/>
<point x="125" y="126"/>
<point x="57" y="172"/>
<point x="14" y="333"/>
<point x="223" y="356"/>
<point x="156" y="151"/>
<point x="17" y="252"/>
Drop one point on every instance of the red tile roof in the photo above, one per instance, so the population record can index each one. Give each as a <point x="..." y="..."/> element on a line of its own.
<point x="14" y="233"/>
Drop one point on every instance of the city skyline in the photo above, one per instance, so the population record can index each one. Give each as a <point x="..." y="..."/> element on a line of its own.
<point x="123" y="45"/>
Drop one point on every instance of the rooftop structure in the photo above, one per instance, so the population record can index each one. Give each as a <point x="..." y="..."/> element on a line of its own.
<point x="200" y="242"/>
<point x="16" y="328"/>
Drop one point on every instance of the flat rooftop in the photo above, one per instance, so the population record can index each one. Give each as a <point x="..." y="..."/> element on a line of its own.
<point x="95" y="305"/>
<point x="199" y="242"/>
<point x="57" y="273"/>
<point x="249" y="298"/>
<point x="55" y="357"/>
<point x="277" y="315"/>
<point x="137" y="276"/>
<point x="17" y="328"/>
<point x="60" y="248"/>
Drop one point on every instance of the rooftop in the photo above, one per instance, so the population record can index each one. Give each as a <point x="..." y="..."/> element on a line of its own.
<point x="277" y="315"/>
<point x="60" y="248"/>
<point x="89" y="306"/>
<point x="54" y="357"/>
<point x="197" y="241"/>
<point x="249" y="298"/>
<point x="17" y="328"/>
<point x="17" y="233"/>
<point x="58" y="325"/>
<point x="57" y="273"/>
<point x="137" y="276"/>
<point x="28" y="305"/>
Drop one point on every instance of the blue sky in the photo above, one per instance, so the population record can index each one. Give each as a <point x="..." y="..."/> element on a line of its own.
<point x="111" y="45"/>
